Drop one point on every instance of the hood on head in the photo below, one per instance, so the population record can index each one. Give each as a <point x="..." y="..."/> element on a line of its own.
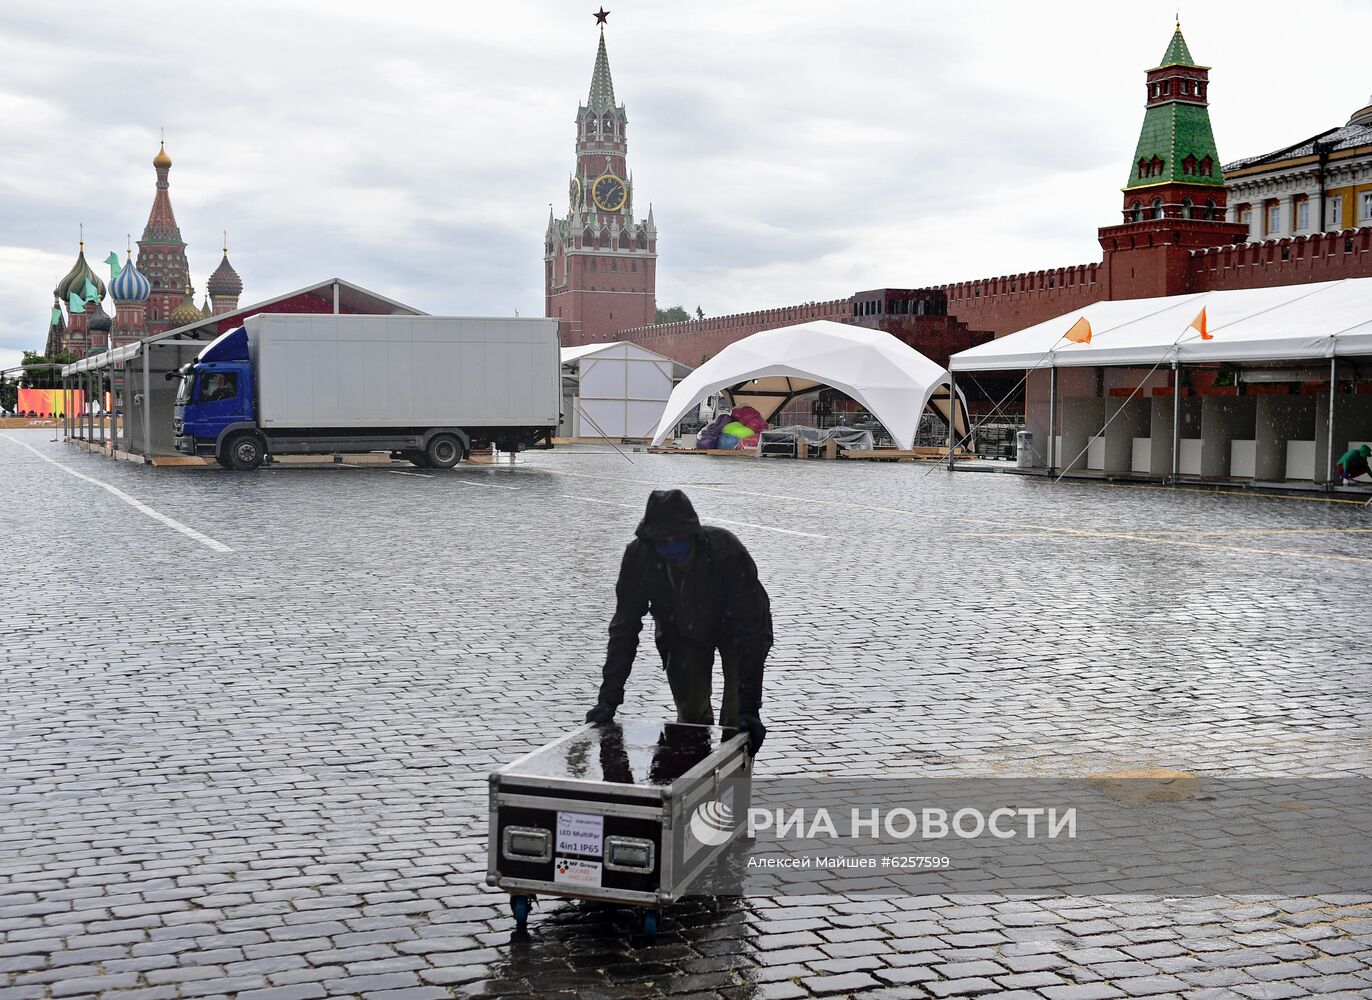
<point x="669" y="513"/>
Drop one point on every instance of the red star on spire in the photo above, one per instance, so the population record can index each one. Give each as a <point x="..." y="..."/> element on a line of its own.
<point x="601" y="15"/>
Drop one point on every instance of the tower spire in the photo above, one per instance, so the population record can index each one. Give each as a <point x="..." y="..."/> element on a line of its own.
<point x="602" y="96"/>
<point x="161" y="251"/>
<point x="1177" y="53"/>
<point x="1174" y="199"/>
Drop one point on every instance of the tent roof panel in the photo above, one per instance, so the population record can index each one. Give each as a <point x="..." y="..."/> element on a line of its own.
<point x="1288" y="322"/>
<point x="623" y="349"/>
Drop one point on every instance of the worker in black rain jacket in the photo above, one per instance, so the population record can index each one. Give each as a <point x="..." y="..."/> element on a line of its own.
<point x="700" y="585"/>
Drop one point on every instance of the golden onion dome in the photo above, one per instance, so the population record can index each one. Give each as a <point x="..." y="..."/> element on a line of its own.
<point x="185" y="314"/>
<point x="162" y="159"/>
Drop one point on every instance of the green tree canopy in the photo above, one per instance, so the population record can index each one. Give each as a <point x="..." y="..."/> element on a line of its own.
<point x="676" y="314"/>
<point x="43" y="378"/>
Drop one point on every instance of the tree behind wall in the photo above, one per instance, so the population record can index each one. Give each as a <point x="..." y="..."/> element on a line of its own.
<point x="676" y="314"/>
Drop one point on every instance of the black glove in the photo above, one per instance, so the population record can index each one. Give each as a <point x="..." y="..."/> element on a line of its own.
<point x="756" y="731"/>
<point x="600" y="713"/>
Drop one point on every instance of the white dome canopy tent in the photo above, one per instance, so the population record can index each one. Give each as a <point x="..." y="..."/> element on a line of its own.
<point x="769" y="369"/>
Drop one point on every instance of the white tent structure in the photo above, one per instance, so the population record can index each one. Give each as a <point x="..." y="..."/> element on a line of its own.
<point x="1297" y="360"/>
<point x="619" y="389"/>
<point x="1287" y="323"/>
<point x="891" y="379"/>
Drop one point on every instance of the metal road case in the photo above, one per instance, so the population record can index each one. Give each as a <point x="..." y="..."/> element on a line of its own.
<point x="625" y="812"/>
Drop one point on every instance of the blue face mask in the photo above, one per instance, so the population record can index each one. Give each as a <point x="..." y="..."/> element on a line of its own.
<point x="674" y="550"/>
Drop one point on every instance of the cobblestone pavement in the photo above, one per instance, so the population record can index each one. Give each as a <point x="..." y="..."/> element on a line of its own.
<point x="261" y="773"/>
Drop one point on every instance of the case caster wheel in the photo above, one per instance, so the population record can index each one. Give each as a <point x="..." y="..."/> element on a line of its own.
<point x="650" y="926"/>
<point x="519" y="906"/>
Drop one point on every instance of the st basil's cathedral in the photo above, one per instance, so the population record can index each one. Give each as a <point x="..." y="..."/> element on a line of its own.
<point x="153" y="296"/>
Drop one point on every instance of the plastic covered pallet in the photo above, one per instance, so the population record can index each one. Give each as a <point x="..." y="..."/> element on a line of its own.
<point x="780" y="442"/>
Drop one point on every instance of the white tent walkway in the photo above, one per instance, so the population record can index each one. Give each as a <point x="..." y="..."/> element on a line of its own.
<point x="1137" y="399"/>
<point x="891" y="379"/>
<point x="1291" y="322"/>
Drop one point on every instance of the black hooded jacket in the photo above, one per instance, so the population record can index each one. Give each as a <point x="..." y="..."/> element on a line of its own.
<point x="741" y="605"/>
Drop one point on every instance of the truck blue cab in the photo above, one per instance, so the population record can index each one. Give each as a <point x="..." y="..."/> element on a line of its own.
<point x="217" y="397"/>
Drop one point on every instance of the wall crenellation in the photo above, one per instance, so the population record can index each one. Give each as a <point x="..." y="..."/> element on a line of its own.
<point x="1286" y="260"/>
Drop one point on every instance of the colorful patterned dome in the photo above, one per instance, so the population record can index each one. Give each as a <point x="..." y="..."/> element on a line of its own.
<point x="74" y="281"/>
<point x="97" y="321"/>
<point x="185" y="313"/>
<point x="130" y="285"/>
<point x="225" y="280"/>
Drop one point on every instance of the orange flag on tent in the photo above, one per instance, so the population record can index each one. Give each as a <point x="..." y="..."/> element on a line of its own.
<point x="1198" y="324"/>
<point x="1080" y="332"/>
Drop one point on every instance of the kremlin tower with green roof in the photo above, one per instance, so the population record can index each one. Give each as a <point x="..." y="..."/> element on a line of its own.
<point x="1175" y="196"/>
<point x="1176" y="145"/>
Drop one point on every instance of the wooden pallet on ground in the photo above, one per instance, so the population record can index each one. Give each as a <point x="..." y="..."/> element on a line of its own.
<point x="904" y="454"/>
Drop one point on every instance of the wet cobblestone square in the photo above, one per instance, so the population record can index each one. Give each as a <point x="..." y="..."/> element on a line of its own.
<point x="262" y="772"/>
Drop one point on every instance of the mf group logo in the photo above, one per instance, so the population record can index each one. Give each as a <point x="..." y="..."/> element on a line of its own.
<point x="713" y="822"/>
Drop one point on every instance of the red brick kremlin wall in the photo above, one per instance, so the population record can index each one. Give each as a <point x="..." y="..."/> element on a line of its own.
<point x="696" y="340"/>
<point x="1008" y="303"/>
<point x="1293" y="260"/>
<point x="1012" y="302"/>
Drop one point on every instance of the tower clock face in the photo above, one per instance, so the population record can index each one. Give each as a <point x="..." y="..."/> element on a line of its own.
<point x="609" y="192"/>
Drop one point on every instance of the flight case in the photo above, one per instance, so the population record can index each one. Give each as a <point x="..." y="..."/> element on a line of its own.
<point x="624" y="812"/>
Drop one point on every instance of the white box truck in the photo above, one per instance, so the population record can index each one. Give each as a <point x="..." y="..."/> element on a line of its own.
<point x="424" y="388"/>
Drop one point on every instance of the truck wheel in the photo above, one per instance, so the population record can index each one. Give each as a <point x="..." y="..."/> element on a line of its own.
<point x="245" y="452"/>
<point x="443" y="451"/>
<point x="417" y="458"/>
<point x="223" y="461"/>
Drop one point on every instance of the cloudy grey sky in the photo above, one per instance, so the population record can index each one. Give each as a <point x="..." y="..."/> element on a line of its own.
<point x="792" y="150"/>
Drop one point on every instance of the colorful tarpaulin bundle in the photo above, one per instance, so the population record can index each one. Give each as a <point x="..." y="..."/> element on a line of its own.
<point x="740" y="430"/>
<point x="750" y="418"/>
<point x="709" y="436"/>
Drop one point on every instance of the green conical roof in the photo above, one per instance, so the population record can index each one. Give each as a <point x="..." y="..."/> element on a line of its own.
<point x="602" y="97"/>
<point x="1175" y="128"/>
<point x="1172" y="132"/>
<point x="1177" y="53"/>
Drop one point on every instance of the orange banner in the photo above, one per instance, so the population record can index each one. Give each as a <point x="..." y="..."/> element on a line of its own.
<point x="50" y="402"/>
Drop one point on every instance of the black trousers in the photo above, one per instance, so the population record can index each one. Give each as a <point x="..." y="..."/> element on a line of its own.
<point x="690" y="673"/>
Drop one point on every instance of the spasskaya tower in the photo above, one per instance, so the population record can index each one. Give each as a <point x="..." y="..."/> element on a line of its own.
<point x="599" y="261"/>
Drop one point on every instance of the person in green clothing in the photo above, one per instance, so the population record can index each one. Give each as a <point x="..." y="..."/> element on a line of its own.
<point x="1353" y="463"/>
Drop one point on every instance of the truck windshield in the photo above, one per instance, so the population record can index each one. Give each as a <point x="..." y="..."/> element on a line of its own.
<point x="183" y="394"/>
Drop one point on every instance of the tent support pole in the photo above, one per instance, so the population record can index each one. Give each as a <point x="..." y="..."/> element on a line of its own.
<point x="952" y="414"/>
<point x="1052" y="419"/>
<point x="147" y="405"/>
<point x="66" y="407"/>
<point x="1329" y="445"/>
<point x="1176" y="422"/>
